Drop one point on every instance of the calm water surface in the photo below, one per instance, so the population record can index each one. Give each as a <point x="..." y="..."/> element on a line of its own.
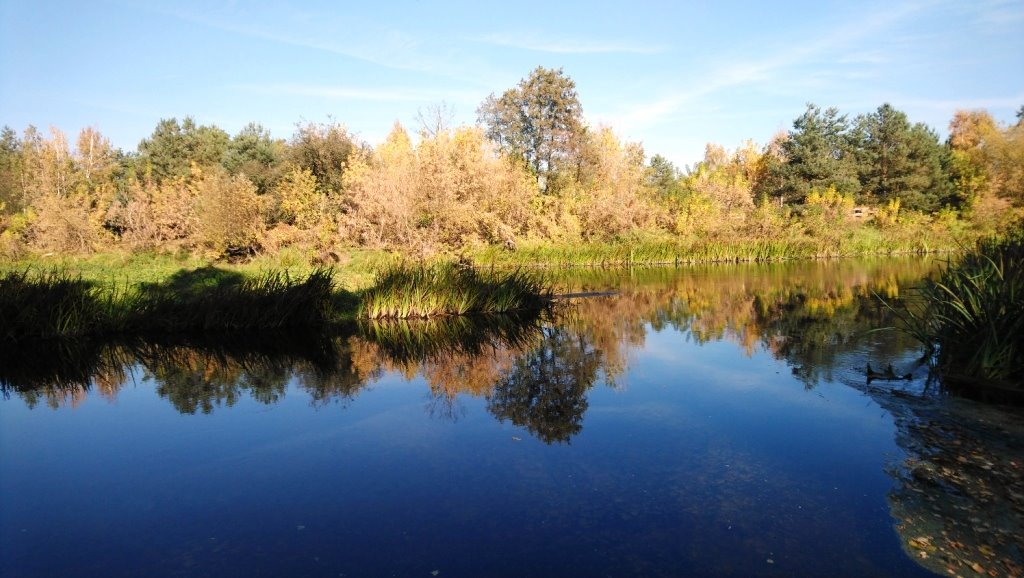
<point x="705" y="421"/>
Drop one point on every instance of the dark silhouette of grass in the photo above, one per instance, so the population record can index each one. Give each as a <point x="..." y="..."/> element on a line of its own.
<point x="38" y="306"/>
<point x="54" y="305"/>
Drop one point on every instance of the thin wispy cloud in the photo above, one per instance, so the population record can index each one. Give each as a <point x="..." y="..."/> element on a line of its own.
<point x="765" y="70"/>
<point x="1000" y="12"/>
<point x="535" y="43"/>
<point x="387" y="47"/>
<point x="357" y="93"/>
<point x="1011" y="101"/>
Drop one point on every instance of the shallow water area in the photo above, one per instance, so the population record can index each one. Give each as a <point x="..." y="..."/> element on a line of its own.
<point x="707" y="421"/>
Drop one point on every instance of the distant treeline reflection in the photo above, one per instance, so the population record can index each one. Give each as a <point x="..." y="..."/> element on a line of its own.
<point x="534" y="370"/>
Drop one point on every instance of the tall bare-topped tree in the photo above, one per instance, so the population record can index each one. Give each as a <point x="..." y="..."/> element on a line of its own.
<point x="540" y="121"/>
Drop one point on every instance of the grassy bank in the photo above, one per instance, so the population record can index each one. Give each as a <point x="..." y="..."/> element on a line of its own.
<point x="678" y="252"/>
<point x="972" y="317"/>
<point x="60" y="305"/>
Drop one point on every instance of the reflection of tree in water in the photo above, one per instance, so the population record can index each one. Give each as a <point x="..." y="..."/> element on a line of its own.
<point x="194" y="380"/>
<point x="809" y="314"/>
<point x="545" y="392"/>
<point x="812" y="330"/>
<point x="60" y="373"/>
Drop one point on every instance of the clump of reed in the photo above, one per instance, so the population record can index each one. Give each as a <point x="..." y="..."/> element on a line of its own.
<point x="270" y="301"/>
<point x="49" y="305"/>
<point x="409" y="291"/>
<point x="971" y="316"/>
<point x="679" y="252"/>
<point x="55" y="305"/>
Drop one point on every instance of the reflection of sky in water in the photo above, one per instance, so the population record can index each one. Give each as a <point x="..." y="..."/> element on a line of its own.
<point x="702" y="461"/>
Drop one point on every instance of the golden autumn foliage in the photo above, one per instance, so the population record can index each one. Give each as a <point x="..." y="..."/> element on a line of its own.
<point x="453" y="190"/>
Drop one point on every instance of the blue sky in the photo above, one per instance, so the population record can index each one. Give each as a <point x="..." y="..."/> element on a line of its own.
<point x="672" y="75"/>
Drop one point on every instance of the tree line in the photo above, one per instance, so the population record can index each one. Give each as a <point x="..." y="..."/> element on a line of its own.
<point x="531" y="170"/>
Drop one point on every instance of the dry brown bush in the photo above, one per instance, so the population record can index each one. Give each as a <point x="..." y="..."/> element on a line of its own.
<point x="229" y="214"/>
<point x="62" y="224"/>
<point x="156" y="216"/>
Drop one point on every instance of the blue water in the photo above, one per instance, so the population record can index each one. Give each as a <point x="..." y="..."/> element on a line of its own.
<point x="689" y="459"/>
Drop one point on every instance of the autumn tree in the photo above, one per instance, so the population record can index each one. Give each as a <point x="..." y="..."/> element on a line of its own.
<point x="1009" y="162"/>
<point x="770" y="173"/>
<point x="539" y="121"/>
<point x="987" y="161"/>
<point x="229" y="214"/>
<point x="11" y="172"/>
<point x="324" y="149"/>
<point x="57" y="199"/>
<point x="614" y="198"/>
<point x="299" y="202"/>
<point x="156" y="215"/>
<point x="382" y="191"/>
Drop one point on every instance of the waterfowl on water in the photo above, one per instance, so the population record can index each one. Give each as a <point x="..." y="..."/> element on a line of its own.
<point x="888" y="374"/>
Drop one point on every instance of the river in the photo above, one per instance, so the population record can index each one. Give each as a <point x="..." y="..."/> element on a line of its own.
<point x="698" y="421"/>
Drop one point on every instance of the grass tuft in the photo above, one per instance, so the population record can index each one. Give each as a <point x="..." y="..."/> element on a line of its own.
<point x="54" y="305"/>
<point x="48" y="305"/>
<point x="420" y="291"/>
<point x="971" y="315"/>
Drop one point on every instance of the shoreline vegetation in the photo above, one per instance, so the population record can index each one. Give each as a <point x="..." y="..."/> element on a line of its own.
<point x="197" y="227"/>
<point x="970" y="318"/>
<point x="38" y="305"/>
<point x="531" y="182"/>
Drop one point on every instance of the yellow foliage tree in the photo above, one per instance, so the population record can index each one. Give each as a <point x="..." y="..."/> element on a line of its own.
<point x="380" y="202"/>
<point x="301" y="203"/>
<point x="613" y="195"/>
<point x="230" y="215"/>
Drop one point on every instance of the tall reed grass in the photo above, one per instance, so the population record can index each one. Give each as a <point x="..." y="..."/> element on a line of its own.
<point x="411" y="291"/>
<point x="49" y="305"/>
<point x="46" y="305"/>
<point x="269" y="301"/>
<point x="972" y="315"/>
<point x="678" y="252"/>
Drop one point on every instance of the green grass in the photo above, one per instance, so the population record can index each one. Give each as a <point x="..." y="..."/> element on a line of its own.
<point x="856" y="242"/>
<point x="972" y="316"/>
<point x="59" y="305"/>
<point x="411" y="291"/>
<point x="354" y="270"/>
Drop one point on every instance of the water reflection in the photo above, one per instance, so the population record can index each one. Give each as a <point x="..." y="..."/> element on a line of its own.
<point x="539" y="373"/>
<point x="534" y="371"/>
<point x="546" y="389"/>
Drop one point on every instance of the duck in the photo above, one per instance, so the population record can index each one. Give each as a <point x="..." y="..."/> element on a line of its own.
<point x="888" y="374"/>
